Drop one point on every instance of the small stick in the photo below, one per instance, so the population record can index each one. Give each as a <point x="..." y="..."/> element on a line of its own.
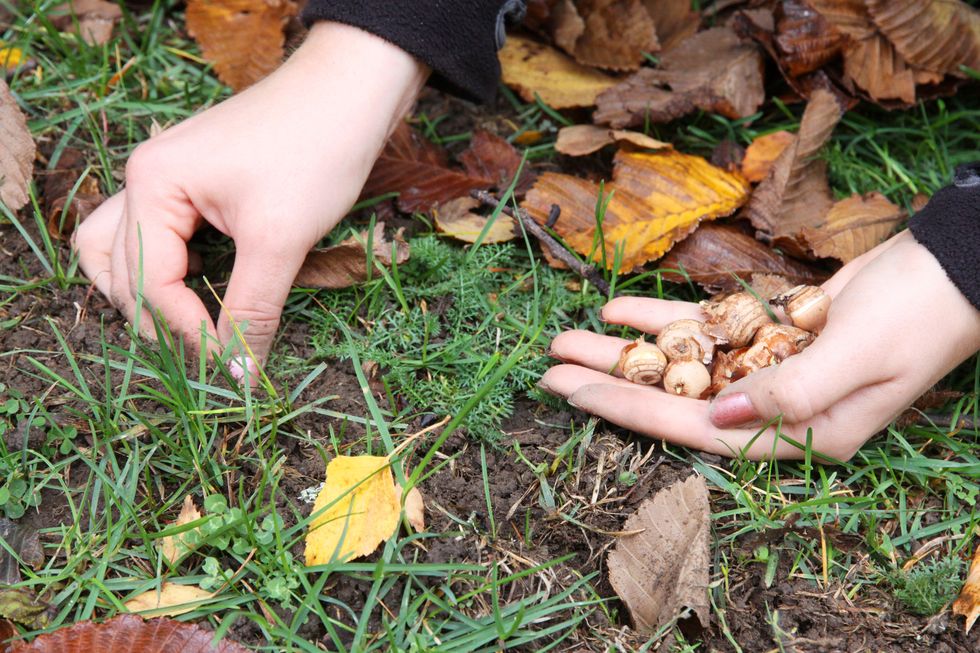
<point x="587" y="272"/>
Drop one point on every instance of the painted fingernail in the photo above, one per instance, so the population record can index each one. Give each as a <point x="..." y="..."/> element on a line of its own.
<point x="732" y="410"/>
<point x="240" y="365"/>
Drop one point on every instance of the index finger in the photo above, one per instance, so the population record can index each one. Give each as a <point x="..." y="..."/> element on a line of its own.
<point x="649" y="314"/>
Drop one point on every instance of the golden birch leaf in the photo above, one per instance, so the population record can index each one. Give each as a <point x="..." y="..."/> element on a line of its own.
<point x="657" y="199"/>
<point x="357" y="510"/>
<point x="968" y="602"/>
<point x="579" y="140"/>
<point x="169" y="600"/>
<point x="175" y="547"/>
<point x="533" y="68"/>
<point x="853" y="226"/>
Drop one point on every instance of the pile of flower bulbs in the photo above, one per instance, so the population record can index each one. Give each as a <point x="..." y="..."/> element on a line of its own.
<point x="698" y="359"/>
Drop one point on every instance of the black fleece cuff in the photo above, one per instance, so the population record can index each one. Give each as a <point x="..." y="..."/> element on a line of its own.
<point x="949" y="227"/>
<point x="458" y="39"/>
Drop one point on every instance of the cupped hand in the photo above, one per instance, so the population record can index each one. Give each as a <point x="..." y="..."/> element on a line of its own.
<point x="274" y="168"/>
<point x="896" y="326"/>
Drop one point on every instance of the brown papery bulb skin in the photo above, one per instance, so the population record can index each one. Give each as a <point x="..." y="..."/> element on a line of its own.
<point x="689" y="378"/>
<point x="686" y="340"/>
<point x="806" y="306"/>
<point x="724" y="371"/>
<point x="642" y="362"/>
<point x="735" y="319"/>
<point x="773" y="344"/>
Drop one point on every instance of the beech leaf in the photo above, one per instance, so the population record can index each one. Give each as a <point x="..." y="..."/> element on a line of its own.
<point x="174" y="547"/>
<point x="169" y="600"/>
<point x="16" y="151"/>
<point x="128" y="633"/>
<point x="805" y="39"/>
<point x="491" y="157"/>
<point x="853" y="226"/>
<point x="665" y="567"/>
<point x="654" y="200"/>
<point x="346" y="263"/>
<point x="579" y="140"/>
<point x="968" y="602"/>
<point x="762" y="153"/>
<point x="936" y="35"/>
<point x="94" y="18"/>
<point x="357" y="510"/>
<point x="534" y="69"/>
<point x="243" y="38"/>
<point x="674" y="21"/>
<point x="616" y="34"/>
<point x="457" y="219"/>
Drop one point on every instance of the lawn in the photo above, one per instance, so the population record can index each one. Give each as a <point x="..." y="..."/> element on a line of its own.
<point x="105" y="434"/>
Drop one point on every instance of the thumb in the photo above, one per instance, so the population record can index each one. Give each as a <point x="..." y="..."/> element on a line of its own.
<point x="796" y="390"/>
<point x="257" y="290"/>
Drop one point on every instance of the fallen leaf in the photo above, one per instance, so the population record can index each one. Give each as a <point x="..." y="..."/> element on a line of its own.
<point x="174" y="547"/>
<point x="346" y="264"/>
<point x="762" y="153"/>
<point x="674" y="21"/>
<point x="850" y="17"/>
<point x="7" y="632"/>
<point x="25" y="607"/>
<point x="579" y="140"/>
<point x="128" y="633"/>
<point x="419" y="172"/>
<point x="854" y="226"/>
<point x="565" y="25"/>
<point x="357" y="510"/>
<point x="654" y="200"/>
<point x="414" y="507"/>
<point x="770" y="285"/>
<point x="457" y="219"/>
<point x="491" y="157"/>
<point x="665" y="568"/>
<point x="16" y="151"/>
<point x="617" y="34"/>
<point x="169" y="600"/>
<point x="10" y="57"/>
<point x="968" y="602"/>
<point x="796" y="193"/>
<point x="94" y="19"/>
<point x="716" y="256"/>
<point x="535" y="69"/>
<point x="878" y="69"/>
<point x="25" y="543"/>
<point x="59" y="183"/>
<point x="806" y="40"/>
<point x="243" y="38"/>
<point x="935" y="35"/>
<point x="713" y="70"/>
<point x="727" y="155"/>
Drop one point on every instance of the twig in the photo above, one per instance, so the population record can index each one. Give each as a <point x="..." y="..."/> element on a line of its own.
<point x="587" y="272"/>
<point x="945" y="421"/>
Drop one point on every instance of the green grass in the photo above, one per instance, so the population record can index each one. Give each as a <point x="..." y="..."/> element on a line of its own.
<point x="457" y="331"/>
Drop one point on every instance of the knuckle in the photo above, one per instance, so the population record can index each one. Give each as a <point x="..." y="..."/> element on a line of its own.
<point x="144" y="163"/>
<point x="259" y="320"/>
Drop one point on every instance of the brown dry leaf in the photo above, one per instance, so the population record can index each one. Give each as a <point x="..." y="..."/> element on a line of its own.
<point x="243" y="38"/>
<point x="616" y="34"/>
<point x="415" y="509"/>
<point x="95" y="19"/>
<point x="418" y="171"/>
<point x="849" y="17"/>
<point x="674" y="21"/>
<point x="879" y="70"/>
<point x="666" y="567"/>
<point x="457" y="219"/>
<point x="536" y="69"/>
<point x="796" y="194"/>
<point x="357" y="510"/>
<point x="935" y="35"/>
<point x="579" y="140"/>
<point x="169" y="600"/>
<point x="713" y="70"/>
<point x="7" y="632"/>
<point x="770" y="285"/>
<point x="806" y="39"/>
<point x="346" y="264"/>
<point x="968" y="602"/>
<point x="762" y="153"/>
<point x="491" y="157"/>
<point x="716" y="256"/>
<point x="25" y="542"/>
<point x="16" y="151"/>
<point x="58" y="185"/>
<point x="128" y="633"/>
<point x="657" y="199"/>
<point x="174" y="547"/>
<point x="565" y="25"/>
<point x="853" y="226"/>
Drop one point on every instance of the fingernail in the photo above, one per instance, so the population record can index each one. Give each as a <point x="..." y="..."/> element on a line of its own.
<point x="572" y="403"/>
<point x="551" y="354"/>
<point x="602" y="314"/>
<point x="732" y="410"/>
<point x="545" y="387"/>
<point x="239" y="365"/>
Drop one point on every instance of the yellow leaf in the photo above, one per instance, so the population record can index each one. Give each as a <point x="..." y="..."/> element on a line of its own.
<point x="968" y="602"/>
<point x="175" y="547"/>
<point x="10" y="57"/>
<point x="534" y="68"/>
<point x="170" y="600"/>
<point x="361" y="510"/>
<point x="457" y="219"/>
<point x="657" y="199"/>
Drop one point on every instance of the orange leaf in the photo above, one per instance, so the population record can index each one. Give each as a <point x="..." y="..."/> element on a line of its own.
<point x="655" y="200"/>
<point x="968" y="602"/>
<point x="853" y="226"/>
<point x="762" y="154"/>
<point x="536" y="69"/>
<point x="243" y="38"/>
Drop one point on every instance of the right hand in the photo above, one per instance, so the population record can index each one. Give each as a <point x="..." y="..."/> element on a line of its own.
<point x="274" y="168"/>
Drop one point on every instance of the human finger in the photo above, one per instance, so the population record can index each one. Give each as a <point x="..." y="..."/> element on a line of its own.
<point x="93" y="241"/>
<point x="588" y="349"/>
<point x="649" y="314"/>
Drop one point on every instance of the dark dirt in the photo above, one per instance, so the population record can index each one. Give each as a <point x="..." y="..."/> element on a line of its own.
<point x="812" y="619"/>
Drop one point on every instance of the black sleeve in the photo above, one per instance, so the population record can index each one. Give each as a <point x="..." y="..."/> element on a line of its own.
<point x="949" y="227"/>
<point x="458" y="39"/>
